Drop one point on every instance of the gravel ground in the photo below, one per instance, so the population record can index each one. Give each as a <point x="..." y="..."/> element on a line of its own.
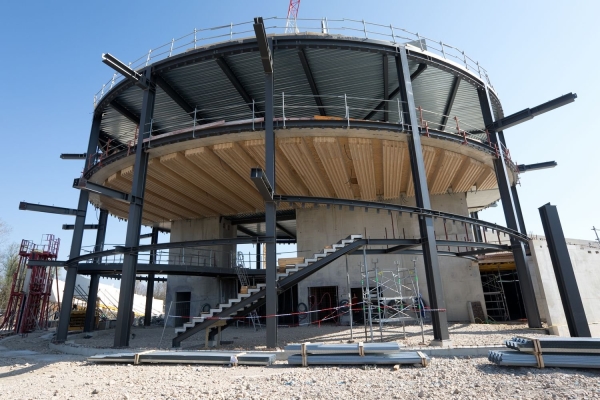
<point x="245" y="338"/>
<point x="28" y="370"/>
<point x="444" y="378"/>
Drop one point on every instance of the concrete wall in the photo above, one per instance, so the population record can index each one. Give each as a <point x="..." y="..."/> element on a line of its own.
<point x="203" y="289"/>
<point x="319" y="227"/>
<point x="585" y="257"/>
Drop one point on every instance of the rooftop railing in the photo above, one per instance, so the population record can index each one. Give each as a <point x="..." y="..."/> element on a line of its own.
<point x="276" y="25"/>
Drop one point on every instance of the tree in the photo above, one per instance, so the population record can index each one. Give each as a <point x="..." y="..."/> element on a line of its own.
<point x="140" y="288"/>
<point x="9" y="262"/>
<point x="160" y="290"/>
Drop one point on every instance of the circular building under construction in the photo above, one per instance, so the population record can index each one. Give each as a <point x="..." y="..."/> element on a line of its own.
<point x="366" y="145"/>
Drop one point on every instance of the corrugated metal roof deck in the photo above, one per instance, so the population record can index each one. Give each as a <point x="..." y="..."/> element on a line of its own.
<point x="353" y="69"/>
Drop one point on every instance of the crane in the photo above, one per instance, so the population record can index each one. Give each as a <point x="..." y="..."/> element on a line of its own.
<point x="291" y="25"/>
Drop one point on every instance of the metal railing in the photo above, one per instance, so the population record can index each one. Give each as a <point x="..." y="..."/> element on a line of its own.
<point x="276" y="25"/>
<point x="288" y="108"/>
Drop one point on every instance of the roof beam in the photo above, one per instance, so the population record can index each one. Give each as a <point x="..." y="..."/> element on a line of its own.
<point x="285" y="230"/>
<point x="222" y="63"/>
<point x="118" y="107"/>
<point x="311" y="81"/>
<point x="246" y="231"/>
<point x="450" y="102"/>
<point x="422" y="67"/>
<point x="176" y="97"/>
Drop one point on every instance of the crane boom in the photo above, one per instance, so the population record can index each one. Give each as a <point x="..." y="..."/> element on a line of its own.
<point x="291" y="25"/>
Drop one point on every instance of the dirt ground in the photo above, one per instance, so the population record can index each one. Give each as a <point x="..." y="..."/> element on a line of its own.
<point x="30" y="370"/>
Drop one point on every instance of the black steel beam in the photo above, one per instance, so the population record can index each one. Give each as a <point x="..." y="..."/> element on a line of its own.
<point x="72" y="156"/>
<point x="176" y="97"/>
<point x="70" y="227"/>
<point x="77" y="239"/>
<point x="130" y="115"/>
<point x="140" y="80"/>
<point x="537" y="166"/>
<point x="305" y="272"/>
<point x="450" y="102"/>
<point x="90" y="312"/>
<point x="264" y="48"/>
<point x="515" y="195"/>
<point x="511" y="215"/>
<point x="285" y="230"/>
<point x="439" y="320"/>
<point x="480" y="251"/>
<point x="151" y="279"/>
<point x="134" y="220"/>
<point x="266" y="182"/>
<point x="262" y="183"/>
<point x="83" y="184"/>
<point x="222" y="63"/>
<point x="401" y="209"/>
<point x="246" y="231"/>
<point x="529" y="113"/>
<point x="46" y="263"/>
<point x="311" y="81"/>
<point x="476" y="229"/>
<point x="114" y="269"/>
<point x="50" y="209"/>
<point x="282" y="215"/>
<point x="415" y="75"/>
<point x="563" y="269"/>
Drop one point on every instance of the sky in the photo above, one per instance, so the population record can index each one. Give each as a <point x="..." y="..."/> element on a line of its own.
<point x="534" y="51"/>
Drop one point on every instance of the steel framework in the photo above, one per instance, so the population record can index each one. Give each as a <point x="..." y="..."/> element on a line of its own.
<point x="131" y="102"/>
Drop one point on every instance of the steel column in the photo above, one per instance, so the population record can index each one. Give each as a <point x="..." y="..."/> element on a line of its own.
<point x="90" y="312"/>
<point x="513" y="190"/>
<point x="150" y="285"/>
<point x="476" y="229"/>
<point x="563" y="269"/>
<point x="134" y="220"/>
<point x="510" y="214"/>
<point x="430" y="255"/>
<point x="67" y="297"/>
<point x="270" y="215"/>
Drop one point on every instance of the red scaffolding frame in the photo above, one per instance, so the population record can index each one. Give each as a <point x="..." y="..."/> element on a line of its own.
<point x="31" y="287"/>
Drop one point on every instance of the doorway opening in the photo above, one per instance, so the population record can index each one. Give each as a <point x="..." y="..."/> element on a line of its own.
<point x="324" y="299"/>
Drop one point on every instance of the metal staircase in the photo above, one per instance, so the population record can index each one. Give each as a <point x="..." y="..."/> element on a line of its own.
<point x="247" y="303"/>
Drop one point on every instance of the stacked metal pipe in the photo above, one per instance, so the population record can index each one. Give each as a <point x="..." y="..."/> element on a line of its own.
<point x="352" y="354"/>
<point x="549" y="352"/>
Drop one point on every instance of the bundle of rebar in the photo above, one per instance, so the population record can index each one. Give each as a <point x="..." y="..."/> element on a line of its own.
<point x="549" y="352"/>
<point x="353" y="354"/>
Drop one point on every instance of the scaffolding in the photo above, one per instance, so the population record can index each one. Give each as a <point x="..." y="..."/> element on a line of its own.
<point x="28" y="304"/>
<point x="495" y="299"/>
<point x="391" y="296"/>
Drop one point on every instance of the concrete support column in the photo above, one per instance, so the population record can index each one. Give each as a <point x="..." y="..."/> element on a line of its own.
<point x="134" y="221"/>
<point x="67" y="297"/>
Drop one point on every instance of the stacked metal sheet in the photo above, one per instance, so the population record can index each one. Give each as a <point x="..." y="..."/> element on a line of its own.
<point x="352" y="354"/>
<point x="187" y="357"/>
<point x="549" y="352"/>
